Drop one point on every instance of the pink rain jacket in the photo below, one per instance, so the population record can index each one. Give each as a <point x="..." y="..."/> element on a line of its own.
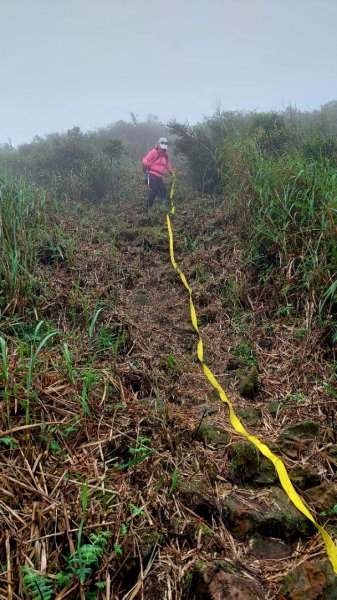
<point x="157" y="162"/>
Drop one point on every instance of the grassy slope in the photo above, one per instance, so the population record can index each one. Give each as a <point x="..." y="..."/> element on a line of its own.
<point x="132" y="394"/>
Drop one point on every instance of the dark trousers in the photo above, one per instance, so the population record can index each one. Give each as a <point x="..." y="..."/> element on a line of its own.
<point x="156" y="188"/>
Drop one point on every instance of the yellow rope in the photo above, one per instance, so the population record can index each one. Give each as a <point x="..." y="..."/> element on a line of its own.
<point x="235" y="421"/>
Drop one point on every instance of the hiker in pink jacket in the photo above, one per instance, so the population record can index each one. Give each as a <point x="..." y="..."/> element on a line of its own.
<point x="156" y="164"/>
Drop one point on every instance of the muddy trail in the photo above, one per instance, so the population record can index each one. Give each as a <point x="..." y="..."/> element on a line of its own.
<point x="135" y="441"/>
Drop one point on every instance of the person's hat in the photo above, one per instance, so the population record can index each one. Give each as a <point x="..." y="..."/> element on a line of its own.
<point x="162" y="143"/>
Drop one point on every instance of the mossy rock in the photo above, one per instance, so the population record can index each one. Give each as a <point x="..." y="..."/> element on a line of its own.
<point x="283" y="520"/>
<point x="303" y="430"/>
<point x="244" y="462"/>
<point x="250" y="416"/>
<point x="274" y="516"/>
<point x="221" y="581"/>
<point x="310" y="581"/>
<point x="304" y="477"/>
<point x="272" y="548"/>
<point x="293" y="438"/>
<point x="267" y="474"/>
<point x="323" y="496"/>
<point x="241" y="518"/>
<point x="248" y="385"/>
<point x="212" y="434"/>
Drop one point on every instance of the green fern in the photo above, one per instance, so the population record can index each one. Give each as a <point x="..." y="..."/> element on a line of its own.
<point x="8" y="441"/>
<point x="63" y="579"/>
<point x="37" y="586"/>
<point x="101" y="539"/>
<point x="118" y="549"/>
<point x="88" y="556"/>
<point x="135" y="510"/>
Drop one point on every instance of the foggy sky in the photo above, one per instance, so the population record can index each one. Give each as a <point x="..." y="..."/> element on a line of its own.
<point x="91" y="62"/>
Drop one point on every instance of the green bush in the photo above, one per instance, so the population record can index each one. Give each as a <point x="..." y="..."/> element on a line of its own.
<point x="92" y="166"/>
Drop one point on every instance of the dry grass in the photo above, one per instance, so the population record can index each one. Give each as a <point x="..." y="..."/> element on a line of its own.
<point x="148" y="394"/>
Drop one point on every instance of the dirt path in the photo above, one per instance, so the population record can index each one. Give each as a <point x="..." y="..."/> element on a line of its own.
<point x="152" y="476"/>
<point x="231" y="315"/>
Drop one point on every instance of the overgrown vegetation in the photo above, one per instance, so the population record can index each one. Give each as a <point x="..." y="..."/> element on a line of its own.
<point x="292" y="206"/>
<point x="27" y="239"/>
<point x="96" y="166"/>
<point x="100" y="392"/>
<point x="278" y="173"/>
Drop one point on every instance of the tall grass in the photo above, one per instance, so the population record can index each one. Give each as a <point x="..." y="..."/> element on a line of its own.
<point x="291" y="205"/>
<point x="22" y="217"/>
<point x="34" y="352"/>
<point x="277" y="174"/>
<point x="5" y="376"/>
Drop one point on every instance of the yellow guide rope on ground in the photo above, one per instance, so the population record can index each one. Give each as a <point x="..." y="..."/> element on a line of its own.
<point x="235" y="421"/>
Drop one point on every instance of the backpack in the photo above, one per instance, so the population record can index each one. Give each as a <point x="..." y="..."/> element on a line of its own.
<point x="145" y="169"/>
